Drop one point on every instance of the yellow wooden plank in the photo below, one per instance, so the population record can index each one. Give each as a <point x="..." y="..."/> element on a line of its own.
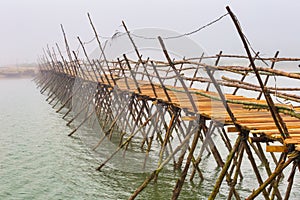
<point x="292" y="141"/>
<point x="275" y="131"/>
<point x="231" y="129"/>
<point x="273" y="148"/>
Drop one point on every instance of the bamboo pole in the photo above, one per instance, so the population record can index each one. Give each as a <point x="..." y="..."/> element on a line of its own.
<point x="101" y="48"/>
<point x="132" y="75"/>
<point x="290" y="180"/>
<point x="216" y="64"/>
<point x="277" y="118"/>
<point x="196" y="71"/>
<point x="180" y="181"/>
<point x="125" y="142"/>
<point x="161" y="82"/>
<point x="89" y="61"/>
<point x="267" y="78"/>
<point x="278" y="170"/>
<point x="244" y="76"/>
<point x="160" y="167"/>
<point x="68" y="49"/>
<point x="139" y="56"/>
<point x="237" y="171"/>
<point x="86" y="118"/>
<point x="177" y="74"/>
<point x="224" y="169"/>
<point x="254" y="166"/>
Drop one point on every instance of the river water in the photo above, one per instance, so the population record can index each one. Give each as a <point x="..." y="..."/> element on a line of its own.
<point x="39" y="161"/>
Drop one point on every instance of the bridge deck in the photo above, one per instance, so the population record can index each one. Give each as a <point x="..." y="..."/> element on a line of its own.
<point x="257" y="121"/>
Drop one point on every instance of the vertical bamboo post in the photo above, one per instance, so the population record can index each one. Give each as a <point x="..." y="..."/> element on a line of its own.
<point x="237" y="171"/>
<point x="224" y="169"/>
<point x="179" y="71"/>
<point x="180" y="182"/>
<point x="290" y="180"/>
<point x="277" y="118"/>
<point x="132" y="74"/>
<point x="178" y="75"/>
<point x="68" y="48"/>
<point x="161" y="166"/>
<point x="282" y="165"/>
<point x="126" y="142"/>
<point x="98" y="72"/>
<point x="139" y="56"/>
<point x="77" y="64"/>
<point x="244" y="76"/>
<point x="267" y="78"/>
<point x="161" y="82"/>
<point x="124" y="75"/>
<point x="238" y="141"/>
<point x="216" y="64"/>
<point x="196" y="71"/>
<point x="105" y="76"/>
<point x="63" y="59"/>
<point x="254" y="166"/>
<point x="100" y="46"/>
<point x="90" y="63"/>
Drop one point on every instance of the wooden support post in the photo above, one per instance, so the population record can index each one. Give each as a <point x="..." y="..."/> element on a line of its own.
<point x="216" y="64"/>
<point x="208" y="141"/>
<point x="196" y="71"/>
<point x="139" y="57"/>
<point x="68" y="71"/>
<point x="100" y="46"/>
<point x="63" y="90"/>
<point x="179" y="71"/>
<point x="161" y="83"/>
<point x="254" y="166"/>
<point x="81" y="75"/>
<point x="89" y="61"/>
<point x="126" y="142"/>
<point x="174" y="117"/>
<point x="282" y="165"/>
<point x="124" y="75"/>
<point x="86" y="118"/>
<point x="224" y="169"/>
<point x="111" y="126"/>
<point x="290" y="180"/>
<point x="132" y="74"/>
<point x="83" y="107"/>
<point x="68" y="50"/>
<point x="267" y="78"/>
<point x="180" y="181"/>
<point x="277" y="118"/>
<point x="178" y="75"/>
<point x="157" y="127"/>
<point x="161" y="166"/>
<point x="106" y="77"/>
<point x="237" y="171"/>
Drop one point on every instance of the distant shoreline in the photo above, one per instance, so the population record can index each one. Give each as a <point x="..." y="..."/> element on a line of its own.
<point x="18" y="72"/>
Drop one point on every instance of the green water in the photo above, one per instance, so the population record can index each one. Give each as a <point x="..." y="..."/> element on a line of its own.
<point x="39" y="161"/>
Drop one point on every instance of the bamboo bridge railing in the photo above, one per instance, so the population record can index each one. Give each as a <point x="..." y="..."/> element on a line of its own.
<point x="175" y="107"/>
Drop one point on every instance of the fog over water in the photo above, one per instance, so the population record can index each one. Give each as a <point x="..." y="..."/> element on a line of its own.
<point x="29" y="25"/>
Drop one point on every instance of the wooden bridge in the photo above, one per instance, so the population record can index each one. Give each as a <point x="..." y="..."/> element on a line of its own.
<point x="172" y="110"/>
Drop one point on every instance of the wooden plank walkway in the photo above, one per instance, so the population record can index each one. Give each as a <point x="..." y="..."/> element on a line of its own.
<point x="256" y="121"/>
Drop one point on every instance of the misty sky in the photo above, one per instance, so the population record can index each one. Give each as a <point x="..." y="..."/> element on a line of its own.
<point x="27" y="26"/>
